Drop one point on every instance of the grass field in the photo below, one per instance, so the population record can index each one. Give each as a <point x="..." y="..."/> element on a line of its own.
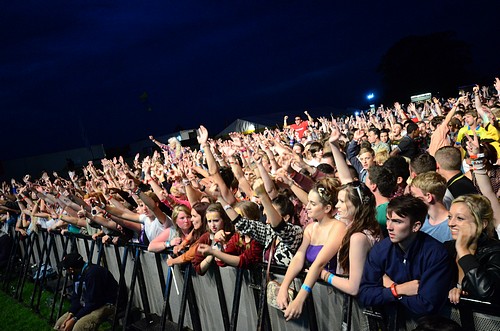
<point x="15" y="316"/>
<point x="18" y="315"/>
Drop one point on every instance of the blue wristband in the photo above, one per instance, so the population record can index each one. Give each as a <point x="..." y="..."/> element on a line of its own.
<point x="306" y="288"/>
<point x="330" y="278"/>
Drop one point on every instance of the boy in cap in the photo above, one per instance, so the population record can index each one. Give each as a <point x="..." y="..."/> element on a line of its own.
<point x="93" y="298"/>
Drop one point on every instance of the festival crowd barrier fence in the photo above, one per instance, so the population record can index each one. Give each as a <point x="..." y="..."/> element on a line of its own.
<point x="153" y="296"/>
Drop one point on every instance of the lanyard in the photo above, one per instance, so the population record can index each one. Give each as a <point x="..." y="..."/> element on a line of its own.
<point x="459" y="177"/>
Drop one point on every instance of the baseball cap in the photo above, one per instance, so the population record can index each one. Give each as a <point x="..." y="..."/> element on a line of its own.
<point x="72" y="260"/>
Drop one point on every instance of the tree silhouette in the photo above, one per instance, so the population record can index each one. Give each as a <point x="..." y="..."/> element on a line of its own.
<point x="431" y="63"/>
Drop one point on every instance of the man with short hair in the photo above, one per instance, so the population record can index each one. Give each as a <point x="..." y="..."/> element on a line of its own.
<point x="377" y="144"/>
<point x="430" y="187"/>
<point x="401" y="170"/>
<point x="449" y="165"/>
<point x="407" y="146"/>
<point x="409" y="268"/>
<point x="300" y="126"/>
<point x="422" y="163"/>
<point x="384" y="137"/>
<point x="94" y="295"/>
<point x="382" y="183"/>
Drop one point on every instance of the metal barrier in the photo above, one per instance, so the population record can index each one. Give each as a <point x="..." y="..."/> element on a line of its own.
<point x="224" y="299"/>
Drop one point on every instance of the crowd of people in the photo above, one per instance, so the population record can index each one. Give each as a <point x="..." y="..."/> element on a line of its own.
<point x="397" y="205"/>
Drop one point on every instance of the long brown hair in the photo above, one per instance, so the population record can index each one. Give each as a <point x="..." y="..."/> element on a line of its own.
<point x="364" y="218"/>
<point x="201" y="209"/>
<point x="227" y="226"/>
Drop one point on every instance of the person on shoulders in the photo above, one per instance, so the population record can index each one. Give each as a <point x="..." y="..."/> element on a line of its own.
<point x="300" y="126"/>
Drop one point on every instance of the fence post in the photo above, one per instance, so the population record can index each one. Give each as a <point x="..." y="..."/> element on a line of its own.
<point x="121" y="281"/>
<point x="222" y="297"/>
<point x="37" y="279"/>
<point x="12" y="258"/>
<point x="191" y="299"/>
<point x="25" y="268"/>
<point x="236" y="299"/>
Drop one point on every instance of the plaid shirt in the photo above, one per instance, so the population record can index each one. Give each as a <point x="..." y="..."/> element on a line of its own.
<point x="289" y="237"/>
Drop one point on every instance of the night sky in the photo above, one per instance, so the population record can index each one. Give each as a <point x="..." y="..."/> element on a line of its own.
<point x="74" y="73"/>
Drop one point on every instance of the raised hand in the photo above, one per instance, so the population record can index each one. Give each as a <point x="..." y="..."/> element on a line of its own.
<point x="412" y="108"/>
<point x="334" y="134"/>
<point x="258" y="187"/>
<point x="202" y="135"/>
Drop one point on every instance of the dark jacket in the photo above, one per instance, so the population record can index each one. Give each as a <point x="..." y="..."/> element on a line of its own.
<point x="94" y="287"/>
<point x="353" y="150"/>
<point x="425" y="260"/>
<point x="481" y="271"/>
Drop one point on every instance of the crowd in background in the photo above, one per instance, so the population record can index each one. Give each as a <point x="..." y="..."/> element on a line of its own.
<point x="396" y="204"/>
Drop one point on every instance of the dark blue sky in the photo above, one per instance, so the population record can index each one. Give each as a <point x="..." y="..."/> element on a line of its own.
<point x="73" y="72"/>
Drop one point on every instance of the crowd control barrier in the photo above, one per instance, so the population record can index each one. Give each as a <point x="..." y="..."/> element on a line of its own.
<point x="153" y="296"/>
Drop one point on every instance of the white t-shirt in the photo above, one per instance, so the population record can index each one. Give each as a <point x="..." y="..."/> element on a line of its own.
<point x="152" y="228"/>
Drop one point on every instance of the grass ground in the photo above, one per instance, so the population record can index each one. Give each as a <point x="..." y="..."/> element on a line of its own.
<point x="15" y="315"/>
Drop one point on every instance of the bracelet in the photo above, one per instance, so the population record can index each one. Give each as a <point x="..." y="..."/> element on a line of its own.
<point x="137" y="191"/>
<point x="185" y="182"/>
<point x="394" y="292"/>
<point x="167" y="244"/>
<point x="227" y="207"/>
<point x="330" y="278"/>
<point x="459" y="286"/>
<point x="306" y="288"/>
<point x="477" y="156"/>
<point x="74" y="318"/>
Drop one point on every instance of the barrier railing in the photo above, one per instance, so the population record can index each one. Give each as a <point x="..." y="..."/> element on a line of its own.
<point x="159" y="297"/>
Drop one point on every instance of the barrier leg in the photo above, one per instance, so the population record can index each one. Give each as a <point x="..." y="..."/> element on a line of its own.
<point x="37" y="279"/>
<point x="166" y="312"/>
<point x="185" y="287"/>
<point x="26" y="266"/>
<point x="236" y="299"/>
<point x="142" y="289"/>
<point x="44" y="273"/>
<point x="222" y="298"/>
<point x="191" y="299"/>
<point x="121" y="281"/>
<point x="65" y="282"/>
<point x="11" y="262"/>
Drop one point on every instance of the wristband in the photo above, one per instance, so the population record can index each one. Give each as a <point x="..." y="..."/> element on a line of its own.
<point x="330" y="278"/>
<point x="227" y="207"/>
<point x="394" y="292"/>
<point x="306" y="288"/>
<point x="137" y="191"/>
<point x="167" y="244"/>
<point x="477" y="156"/>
